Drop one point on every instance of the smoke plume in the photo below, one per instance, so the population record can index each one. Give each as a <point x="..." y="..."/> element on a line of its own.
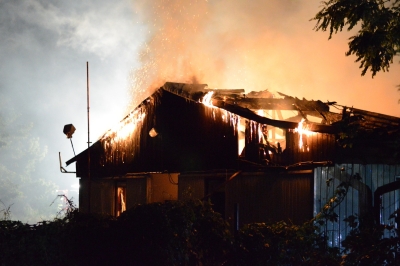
<point x="253" y="45"/>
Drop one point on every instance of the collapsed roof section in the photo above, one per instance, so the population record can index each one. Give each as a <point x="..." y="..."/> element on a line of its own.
<point x="246" y="105"/>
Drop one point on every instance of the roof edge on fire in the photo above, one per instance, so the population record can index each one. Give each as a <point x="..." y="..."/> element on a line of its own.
<point x="238" y="102"/>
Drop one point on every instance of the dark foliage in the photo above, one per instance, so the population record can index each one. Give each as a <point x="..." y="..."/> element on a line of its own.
<point x="366" y="245"/>
<point x="174" y="233"/>
<point x="283" y="244"/>
<point x="189" y="233"/>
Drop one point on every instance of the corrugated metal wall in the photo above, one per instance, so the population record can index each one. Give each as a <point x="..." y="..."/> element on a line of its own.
<point x="327" y="179"/>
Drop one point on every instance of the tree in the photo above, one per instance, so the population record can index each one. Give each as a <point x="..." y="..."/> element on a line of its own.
<point x="23" y="197"/>
<point x="378" y="38"/>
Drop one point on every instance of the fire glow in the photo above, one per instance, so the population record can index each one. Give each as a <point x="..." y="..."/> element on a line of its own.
<point x="226" y="116"/>
<point x="207" y="99"/>
<point x="302" y="131"/>
<point x="126" y="127"/>
<point x="120" y="142"/>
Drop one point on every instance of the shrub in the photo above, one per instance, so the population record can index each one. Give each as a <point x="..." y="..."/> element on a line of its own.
<point x="282" y="244"/>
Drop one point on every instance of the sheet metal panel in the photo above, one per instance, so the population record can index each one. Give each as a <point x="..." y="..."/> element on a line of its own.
<point x="326" y="180"/>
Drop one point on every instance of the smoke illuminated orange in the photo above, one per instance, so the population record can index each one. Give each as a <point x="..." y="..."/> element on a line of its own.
<point x="254" y="45"/>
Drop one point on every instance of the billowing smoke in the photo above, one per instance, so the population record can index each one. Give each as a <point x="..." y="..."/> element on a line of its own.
<point x="213" y="42"/>
<point x="254" y="45"/>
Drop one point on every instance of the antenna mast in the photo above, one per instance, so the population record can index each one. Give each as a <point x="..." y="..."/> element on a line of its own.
<point x="88" y="123"/>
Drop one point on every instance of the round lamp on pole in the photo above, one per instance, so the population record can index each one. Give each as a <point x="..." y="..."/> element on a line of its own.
<point x="69" y="131"/>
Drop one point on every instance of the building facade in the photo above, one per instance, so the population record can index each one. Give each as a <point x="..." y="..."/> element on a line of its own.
<point x="257" y="157"/>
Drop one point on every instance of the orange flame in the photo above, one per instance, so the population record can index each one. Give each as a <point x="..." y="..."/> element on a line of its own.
<point x="216" y="112"/>
<point x="302" y="131"/>
<point x="120" y="142"/>
<point x="126" y="127"/>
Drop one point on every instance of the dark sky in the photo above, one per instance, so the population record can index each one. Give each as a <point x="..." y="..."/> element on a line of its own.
<point x="135" y="46"/>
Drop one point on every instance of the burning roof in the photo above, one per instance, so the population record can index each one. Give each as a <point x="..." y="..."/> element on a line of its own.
<point x="236" y="101"/>
<point x="189" y="127"/>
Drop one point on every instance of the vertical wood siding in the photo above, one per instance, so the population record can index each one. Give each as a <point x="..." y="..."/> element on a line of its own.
<point x="316" y="147"/>
<point x="264" y="197"/>
<point x="102" y="196"/>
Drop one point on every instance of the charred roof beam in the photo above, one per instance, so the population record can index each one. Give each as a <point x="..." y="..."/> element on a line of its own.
<point x="246" y="113"/>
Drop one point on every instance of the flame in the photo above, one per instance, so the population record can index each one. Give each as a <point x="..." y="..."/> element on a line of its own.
<point x="120" y="142"/>
<point x="218" y="113"/>
<point x="207" y="99"/>
<point x="302" y="131"/>
<point x="126" y="127"/>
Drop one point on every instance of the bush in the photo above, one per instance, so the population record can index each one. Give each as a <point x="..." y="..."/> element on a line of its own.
<point x="366" y="245"/>
<point x="174" y="233"/>
<point x="282" y="244"/>
<point x="187" y="233"/>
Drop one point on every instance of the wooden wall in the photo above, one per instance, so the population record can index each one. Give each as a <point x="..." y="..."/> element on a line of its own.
<point x="270" y="196"/>
<point x="191" y="137"/>
<point x="102" y="196"/>
<point x="261" y="196"/>
<point x="139" y="189"/>
<point x="317" y="147"/>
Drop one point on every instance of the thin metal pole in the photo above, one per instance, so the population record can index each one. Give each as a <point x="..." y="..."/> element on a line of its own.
<point x="88" y="123"/>
<point x="70" y="139"/>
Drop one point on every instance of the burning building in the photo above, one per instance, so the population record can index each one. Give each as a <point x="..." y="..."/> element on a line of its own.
<point x="255" y="156"/>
